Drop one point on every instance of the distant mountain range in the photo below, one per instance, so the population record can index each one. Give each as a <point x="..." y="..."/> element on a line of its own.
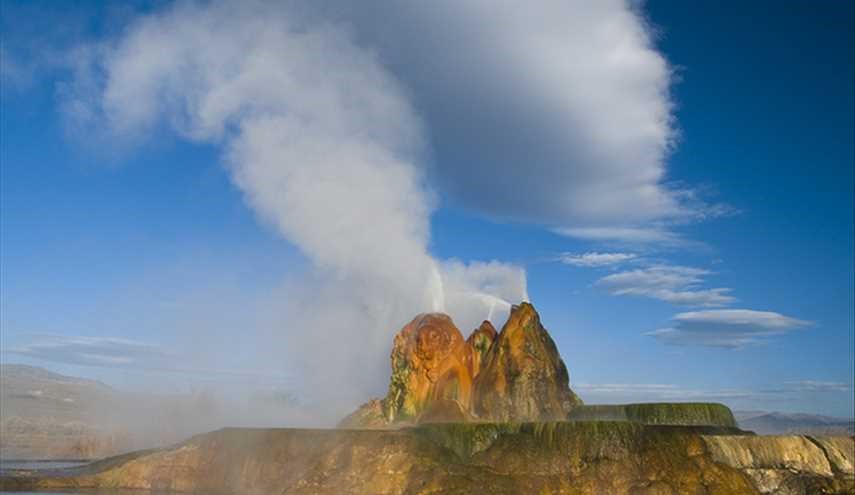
<point x="29" y="386"/>
<point x="776" y="423"/>
<point x="45" y="415"/>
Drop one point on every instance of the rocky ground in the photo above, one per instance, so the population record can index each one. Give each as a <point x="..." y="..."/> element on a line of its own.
<point x="563" y="457"/>
<point x="48" y="416"/>
<point x="516" y="374"/>
<point x="45" y="415"/>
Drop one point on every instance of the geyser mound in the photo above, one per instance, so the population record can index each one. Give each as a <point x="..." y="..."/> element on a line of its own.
<point x="437" y="376"/>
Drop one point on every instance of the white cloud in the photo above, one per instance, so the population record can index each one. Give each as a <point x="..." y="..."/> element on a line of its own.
<point x="92" y="351"/>
<point x="818" y="386"/>
<point x="125" y="354"/>
<point x="594" y="259"/>
<point x="765" y="319"/>
<point x="647" y="235"/>
<point x="669" y="283"/>
<point x="574" y="90"/>
<point x="557" y="112"/>
<point x="625" y="387"/>
<point x="726" y="328"/>
<point x="326" y="147"/>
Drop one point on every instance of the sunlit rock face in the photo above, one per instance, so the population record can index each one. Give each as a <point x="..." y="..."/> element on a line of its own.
<point x="369" y="415"/>
<point x="437" y="376"/>
<point x="524" y="378"/>
<point x="428" y="366"/>
<point x="479" y="344"/>
<point x="496" y="458"/>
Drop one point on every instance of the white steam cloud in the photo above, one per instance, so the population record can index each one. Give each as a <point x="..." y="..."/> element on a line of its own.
<point x="335" y="117"/>
<point x="326" y="147"/>
<point x="556" y="111"/>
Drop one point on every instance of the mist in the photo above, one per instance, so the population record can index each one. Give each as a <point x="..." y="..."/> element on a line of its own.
<point x="333" y="132"/>
<point x="327" y="150"/>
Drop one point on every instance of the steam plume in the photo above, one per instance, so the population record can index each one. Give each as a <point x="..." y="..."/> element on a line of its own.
<point x="326" y="148"/>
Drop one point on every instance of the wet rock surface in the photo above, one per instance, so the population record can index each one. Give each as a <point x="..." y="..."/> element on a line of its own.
<point x="551" y="457"/>
<point x="429" y="365"/>
<point x="437" y="376"/>
<point x="523" y="377"/>
<point x="659" y="413"/>
<point x="789" y="464"/>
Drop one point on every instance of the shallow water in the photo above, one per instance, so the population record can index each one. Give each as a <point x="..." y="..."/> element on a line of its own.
<point x="51" y="465"/>
<point x="90" y="492"/>
<point x="39" y="465"/>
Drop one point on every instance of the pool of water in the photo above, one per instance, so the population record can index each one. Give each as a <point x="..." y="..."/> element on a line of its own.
<point x="39" y="465"/>
<point x="52" y="465"/>
<point x="91" y="492"/>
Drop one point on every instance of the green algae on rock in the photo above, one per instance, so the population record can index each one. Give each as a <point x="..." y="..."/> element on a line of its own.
<point x="514" y="375"/>
<point x="497" y="458"/>
<point x="659" y="413"/>
<point x="524" y="377"/>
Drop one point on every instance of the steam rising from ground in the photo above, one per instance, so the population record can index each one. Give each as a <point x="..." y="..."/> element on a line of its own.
<point x="556" y="113"/>
<point x="326" y="148"/>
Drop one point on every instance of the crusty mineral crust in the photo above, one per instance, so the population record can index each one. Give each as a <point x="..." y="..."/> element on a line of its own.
<point x="496" y="458"/>
<point x="515" y="375"/>
<point x="429" y="364"/>
<point x="523" y="377"/>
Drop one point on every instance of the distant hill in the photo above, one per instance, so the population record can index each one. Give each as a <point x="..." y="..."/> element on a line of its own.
<point x="775" y="423"/>
<point x="33" y="391"/>
<point x="45" y="415"/>
<point x="49" y="416"/>
<point x="11" y="372"/>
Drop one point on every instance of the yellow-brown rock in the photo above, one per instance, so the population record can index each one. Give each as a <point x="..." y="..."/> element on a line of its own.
<point x="479" y="343"/>
<point x="490" y="458"/>
<point x="369" y="415"/>
<point x="439" y="377"/>
<point x="523" y="378"/>
<point x="429" y="364"/>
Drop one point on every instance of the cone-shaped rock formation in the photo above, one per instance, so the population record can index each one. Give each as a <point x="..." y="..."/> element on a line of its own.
<point x="428" y="366"/>
<point x="515" y="375"/>
<point x="523" y="378"/>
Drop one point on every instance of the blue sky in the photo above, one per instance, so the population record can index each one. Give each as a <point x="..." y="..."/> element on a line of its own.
<point x="705" y="251"/>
